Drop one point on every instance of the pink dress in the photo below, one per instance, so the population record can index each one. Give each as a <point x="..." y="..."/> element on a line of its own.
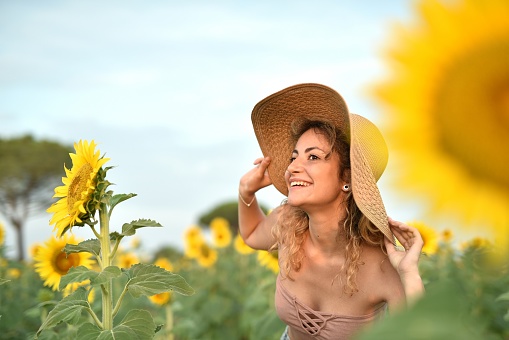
<point x="305" y="323"/>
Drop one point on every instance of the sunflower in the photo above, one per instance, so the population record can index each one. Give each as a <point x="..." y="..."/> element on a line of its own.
<point x="2" y="234"/>
<point x="241" y="246"/>
<point x="193" y="240"/>
<point x="79" y="185"/>
<point x="51" y="263"/>
<point x="476" y="243"/>
<point x="269" y="260"/>
<point x="447" y="110"/>
<point x="207" y="256"/>
<point x="221" y="234"/>
<point x="161" y="298"/>
<point x="429" y="236"/>
<point x="126" y="260"/>
<point x="164" y="297"/>
<point x="447" y="235"/>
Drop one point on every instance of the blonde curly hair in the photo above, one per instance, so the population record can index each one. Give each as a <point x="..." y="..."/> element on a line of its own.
<point x="290" y="230"/>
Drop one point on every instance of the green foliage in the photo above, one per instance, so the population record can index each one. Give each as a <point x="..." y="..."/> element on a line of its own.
<point x="234" y="300"/>
<point x="228" y="211"/>
<point x="461" y="301"/>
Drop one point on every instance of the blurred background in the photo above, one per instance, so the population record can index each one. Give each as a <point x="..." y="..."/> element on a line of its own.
<point x="166" y="89"/>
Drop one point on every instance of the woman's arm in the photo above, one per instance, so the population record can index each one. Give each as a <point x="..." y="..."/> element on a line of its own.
<point x="254" y="226"/>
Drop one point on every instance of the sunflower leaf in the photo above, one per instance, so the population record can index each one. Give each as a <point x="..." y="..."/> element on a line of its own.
<point x="2" y="281"/>
<point x="67" y="310"/>
<point x="137" y="324"/>
<point x="129" y="229"/>
<point x="92" y="246"/>
<point x="503" y="297"/>
<point x="146" y="279"/>
<point x="77" y="274"/>
<point x="116" y="199"/>
<point x="108" y="273"/>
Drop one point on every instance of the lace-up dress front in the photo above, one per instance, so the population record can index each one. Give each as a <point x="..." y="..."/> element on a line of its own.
<point x="306" y="323"/>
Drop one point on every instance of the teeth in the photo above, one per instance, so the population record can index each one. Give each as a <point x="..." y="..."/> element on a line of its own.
<point x="303" y="184"/>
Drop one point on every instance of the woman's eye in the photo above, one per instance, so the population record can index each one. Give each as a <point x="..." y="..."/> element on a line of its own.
<point x="292" y="159"/>
<point x="313" y="157"/>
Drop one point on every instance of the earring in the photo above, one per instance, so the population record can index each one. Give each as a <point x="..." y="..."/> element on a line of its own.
<point x="346" y="187"/>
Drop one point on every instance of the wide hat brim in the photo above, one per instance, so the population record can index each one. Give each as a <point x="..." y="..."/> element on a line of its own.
<point x="272" y="120"/>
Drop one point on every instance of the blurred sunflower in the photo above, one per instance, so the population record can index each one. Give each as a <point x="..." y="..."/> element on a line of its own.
<point x="2" y="234"/>
<point x="126" y="260"/>
<point x="446" y="235"/>
<point x="429" y="236"/>
<point x="221" y="234"/>
<point x="34" y="249"/>
<point x="79" y="185"/>
<point x="193" y="239"/>
<point x="269" y="260"/>
<point x="13" y="273"/>
<point x="162" y="298"/>
<point x="51" y="263"/>
<point x="70" y="288"/>
<point x="207" y="256"/>
<point x="447" y="102"/>
<point x="241" y="246"/>
<point x="476" y="243"/>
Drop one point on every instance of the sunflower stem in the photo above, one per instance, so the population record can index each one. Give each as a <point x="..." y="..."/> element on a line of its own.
<point x="119" y="301"/>
<point x="95" y="232"/>
<point x="115" y="247"/>
<point x="94" y="316"/>
<point x="107" y="300"/>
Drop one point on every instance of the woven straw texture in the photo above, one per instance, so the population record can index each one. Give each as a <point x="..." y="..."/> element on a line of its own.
<point x="273" y="117"/>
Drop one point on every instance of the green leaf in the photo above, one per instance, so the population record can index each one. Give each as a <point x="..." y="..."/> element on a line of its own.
<point x="77" y="274"/>
<point x="2" y="281"/>
<point x="116" y="199"/>
<point x="67" y="310"/>
<point x="115" y="235"/>
<point x="108" y="273"/>
<point x="146" y="279"/>
<point x="503" y="297"/>
<point x="92" y="246"/>
<point x="129" y="229"/>
<point x="137" y="324"/>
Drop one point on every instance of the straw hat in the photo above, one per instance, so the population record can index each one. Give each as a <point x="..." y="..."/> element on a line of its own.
<point x="272" y="119"/>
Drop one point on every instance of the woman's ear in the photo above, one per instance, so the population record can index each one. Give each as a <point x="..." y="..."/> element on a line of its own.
<point x="346" y="176"/>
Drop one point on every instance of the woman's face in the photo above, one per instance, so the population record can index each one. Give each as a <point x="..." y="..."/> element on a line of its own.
<point x="312" y="176"/>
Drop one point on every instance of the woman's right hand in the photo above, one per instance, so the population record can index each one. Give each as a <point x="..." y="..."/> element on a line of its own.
<point x="256" y="178"/>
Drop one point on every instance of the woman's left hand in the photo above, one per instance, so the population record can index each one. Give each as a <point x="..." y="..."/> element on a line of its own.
<point x="405" y="262"/>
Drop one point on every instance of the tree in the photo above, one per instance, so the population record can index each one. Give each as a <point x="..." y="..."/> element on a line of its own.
<point x="226" y="210"/>
<point x="29" y="171"/>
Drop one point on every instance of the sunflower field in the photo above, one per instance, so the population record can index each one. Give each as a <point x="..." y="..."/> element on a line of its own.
<point x="234" y="291"/>
<point x="445" y="113"/>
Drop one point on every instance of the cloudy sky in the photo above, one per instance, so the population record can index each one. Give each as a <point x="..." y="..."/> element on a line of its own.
<point x="166" y="88"/>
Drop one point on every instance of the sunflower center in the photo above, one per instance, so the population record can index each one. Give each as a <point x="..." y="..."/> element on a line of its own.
<point x="472" y="111"/>
<point x="64" y="262"/>
<point x="205" y="250"/>
<point x="78" y="185"/>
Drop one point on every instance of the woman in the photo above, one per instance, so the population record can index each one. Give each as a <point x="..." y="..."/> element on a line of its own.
<point x="340" y="269"/>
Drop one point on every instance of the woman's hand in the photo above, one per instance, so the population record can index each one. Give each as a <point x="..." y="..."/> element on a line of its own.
<point x="406" y="262"/>
<point x="255" y="179"/>
<point x="410" y="238"/>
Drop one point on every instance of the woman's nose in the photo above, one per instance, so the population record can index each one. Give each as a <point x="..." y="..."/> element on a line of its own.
<point x="294" y="166"/>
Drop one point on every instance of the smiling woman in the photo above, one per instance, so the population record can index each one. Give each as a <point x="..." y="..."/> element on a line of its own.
<point x="334" y="241"/>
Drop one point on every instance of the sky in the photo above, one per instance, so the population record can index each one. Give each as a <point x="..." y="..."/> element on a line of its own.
<point x="166" y="89"/>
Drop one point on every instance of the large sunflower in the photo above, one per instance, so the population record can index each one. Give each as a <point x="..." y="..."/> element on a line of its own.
<point x="429" y="236"/>
<point x="79" y="185"/>
<point x="51" y="263"/>
<point x="447" y="101"/>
